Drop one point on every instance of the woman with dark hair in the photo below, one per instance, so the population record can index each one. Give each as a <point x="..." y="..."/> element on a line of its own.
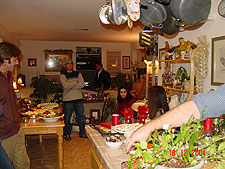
<point x="157" y="101"/>
<point x="124" y="100"/>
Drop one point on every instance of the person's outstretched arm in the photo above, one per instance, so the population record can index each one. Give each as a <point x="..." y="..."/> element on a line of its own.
<point x="175" y="117"/>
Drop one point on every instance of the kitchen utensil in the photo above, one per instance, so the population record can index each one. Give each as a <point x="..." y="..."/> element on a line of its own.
<point x="190" y="11"/>
<point x="153" y="14"/>
<point x="103" y="14"/>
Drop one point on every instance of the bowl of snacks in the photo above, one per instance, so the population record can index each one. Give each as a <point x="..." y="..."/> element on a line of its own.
<point x="114" y="141"/>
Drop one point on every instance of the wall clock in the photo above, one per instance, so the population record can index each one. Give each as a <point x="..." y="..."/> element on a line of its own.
<point x="221" y="8"/>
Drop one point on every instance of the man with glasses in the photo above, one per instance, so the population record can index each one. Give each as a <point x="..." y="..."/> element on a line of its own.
<point x="72" y="83"/>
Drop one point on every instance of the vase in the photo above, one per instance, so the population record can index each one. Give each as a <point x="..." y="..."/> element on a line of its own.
<point x="199" y="166"/>
<point x="142" y="118"/>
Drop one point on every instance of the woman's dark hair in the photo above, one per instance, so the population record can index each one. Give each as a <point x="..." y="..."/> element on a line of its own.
<point x="120" y="99"/>
<point x="157" y="100"/>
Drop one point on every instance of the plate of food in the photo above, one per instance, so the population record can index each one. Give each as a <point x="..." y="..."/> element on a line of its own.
<point x="114" y="141"/>
<point x="50" y="116"/>
<point x="127" y="128"/>
<point x="48" y="105"/>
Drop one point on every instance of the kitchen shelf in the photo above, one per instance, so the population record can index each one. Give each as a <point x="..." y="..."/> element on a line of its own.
<point x="192" y="72"/>
<point x="177" y="61"/>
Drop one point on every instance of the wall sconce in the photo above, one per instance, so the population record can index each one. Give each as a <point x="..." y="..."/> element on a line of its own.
<point x="20" y="81"/>
<point x="15" y="86"/>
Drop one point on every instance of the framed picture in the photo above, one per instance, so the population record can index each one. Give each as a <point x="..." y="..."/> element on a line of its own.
<point x="126" y="62"/>
<point x="162" y="55"/>
<point x="218" y="61"/>
<point x="32" y="62"/>
<point x="95" y="113"/>
<point x="54" y="59"/>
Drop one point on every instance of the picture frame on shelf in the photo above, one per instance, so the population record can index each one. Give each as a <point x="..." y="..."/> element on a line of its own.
<point x="54" y="59"/>
<point x="95" y="113"/>
<point x="218" y="61"/>
<point x="32" y="62"/>
<point x="126" y="62"/>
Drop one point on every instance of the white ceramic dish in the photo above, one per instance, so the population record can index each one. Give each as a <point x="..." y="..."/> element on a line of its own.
<point x="51" y="120"/>
<point x="114" y="144"/>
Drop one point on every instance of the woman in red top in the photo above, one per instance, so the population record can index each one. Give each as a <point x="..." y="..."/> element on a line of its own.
<point x="124" y="100"/>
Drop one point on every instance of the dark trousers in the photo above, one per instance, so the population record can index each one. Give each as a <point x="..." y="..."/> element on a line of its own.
<point x="5" y="162"/>
<point x="77" y="107"/>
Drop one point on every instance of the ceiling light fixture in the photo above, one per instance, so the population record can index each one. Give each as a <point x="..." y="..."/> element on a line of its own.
<point x="81" y="29"/>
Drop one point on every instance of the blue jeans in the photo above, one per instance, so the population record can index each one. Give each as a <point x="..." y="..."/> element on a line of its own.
<point x="77" y="107"/>
<point x="5" y="162"/>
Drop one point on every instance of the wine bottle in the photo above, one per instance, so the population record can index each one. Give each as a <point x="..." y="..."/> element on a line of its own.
<point x="208" y="129"/>
<point x="216" y="128"/>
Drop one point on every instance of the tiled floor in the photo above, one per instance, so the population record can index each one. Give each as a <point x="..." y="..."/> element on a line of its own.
<point x="45" y="156"/>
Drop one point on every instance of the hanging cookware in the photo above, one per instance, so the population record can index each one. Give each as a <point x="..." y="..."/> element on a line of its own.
<point x="110" y="15"/>
<point x="190" y="11"/>
<point x="119" y="11"/>
<point x="103" y="14"/>
<point x="153" y="13"/>
<point x="169" y="25"/>
<point x="163" y="1"/>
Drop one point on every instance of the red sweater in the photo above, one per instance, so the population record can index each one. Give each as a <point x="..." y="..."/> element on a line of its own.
<point x="10" y="119"/>
<point x="124" y="105"/>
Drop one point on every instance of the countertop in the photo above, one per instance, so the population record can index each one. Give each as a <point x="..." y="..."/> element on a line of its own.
<point x="111" y="158"/>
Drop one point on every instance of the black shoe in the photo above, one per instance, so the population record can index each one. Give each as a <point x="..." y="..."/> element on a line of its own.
<point x="67" y="137"/>
<point x="83" y="136"/>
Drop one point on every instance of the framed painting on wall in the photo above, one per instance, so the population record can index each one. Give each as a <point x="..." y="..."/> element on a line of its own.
<point x="54" y="59"/>
<point x="126" y="62"/>
<point x="32" y="62"/>
<point x="95" y="113"/>
<point x="218" y="61"/>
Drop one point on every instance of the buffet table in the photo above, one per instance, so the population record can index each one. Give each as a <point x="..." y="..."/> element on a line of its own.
<point x="38" y="126"/>
<point x="102" y="156"/>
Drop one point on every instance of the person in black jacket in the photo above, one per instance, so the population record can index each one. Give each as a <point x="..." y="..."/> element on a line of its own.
<point x="102" y="78"/>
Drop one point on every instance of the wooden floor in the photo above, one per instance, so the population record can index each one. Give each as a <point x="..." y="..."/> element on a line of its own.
<point x="77" y="154"/>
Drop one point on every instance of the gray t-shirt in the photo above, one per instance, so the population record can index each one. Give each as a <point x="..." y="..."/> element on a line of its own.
<point x="213" y="102"/>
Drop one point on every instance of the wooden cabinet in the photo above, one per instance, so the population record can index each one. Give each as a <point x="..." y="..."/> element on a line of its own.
<point x="191" y="81"/>
<point x="86" y="57"/>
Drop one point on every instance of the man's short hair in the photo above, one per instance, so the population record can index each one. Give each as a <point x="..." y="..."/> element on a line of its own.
<point x="8" y="50"/>
<point x="99" y="63"/>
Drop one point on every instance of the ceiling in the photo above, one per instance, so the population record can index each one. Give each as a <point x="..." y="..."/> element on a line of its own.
<point x="56" y="20"/>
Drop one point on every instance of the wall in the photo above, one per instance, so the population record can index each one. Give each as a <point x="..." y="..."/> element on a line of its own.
<point x="213" y="27"/>
<point x="34" y="49"/>
<point x="6" y="36"/>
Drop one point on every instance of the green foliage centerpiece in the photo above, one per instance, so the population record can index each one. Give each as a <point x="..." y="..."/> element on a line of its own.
<point x="187" y="149"/>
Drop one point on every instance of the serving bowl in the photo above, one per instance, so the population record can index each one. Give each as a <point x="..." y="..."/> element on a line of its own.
<point x="51" y="120"/>
<point x="114" y="144"/>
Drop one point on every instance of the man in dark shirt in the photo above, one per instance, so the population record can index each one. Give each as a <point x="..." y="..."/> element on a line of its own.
<point x="102" y="78"/>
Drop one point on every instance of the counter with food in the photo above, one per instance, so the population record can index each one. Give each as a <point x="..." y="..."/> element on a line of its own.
<point x="108" y="152"/>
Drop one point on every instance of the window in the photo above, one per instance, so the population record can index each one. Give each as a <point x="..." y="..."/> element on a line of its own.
<point x="113" y="62"/>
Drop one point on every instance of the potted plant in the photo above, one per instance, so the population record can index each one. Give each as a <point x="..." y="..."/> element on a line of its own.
<point x="187" y="149"/>
<point x="43" y="87"/>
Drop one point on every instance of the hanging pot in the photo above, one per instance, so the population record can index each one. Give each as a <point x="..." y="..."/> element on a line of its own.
<point x="190" y="11"/>
<point x="153" y="13"/>
<point x="110" y="15"/>
<point x="169" y="25"/>
<point x="103" y="14"/>
<point x="119" y="11"/>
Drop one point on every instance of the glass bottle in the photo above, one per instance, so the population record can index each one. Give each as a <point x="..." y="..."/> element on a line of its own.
<point x="208" y="129"/>
<point x="216" y="128"/>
